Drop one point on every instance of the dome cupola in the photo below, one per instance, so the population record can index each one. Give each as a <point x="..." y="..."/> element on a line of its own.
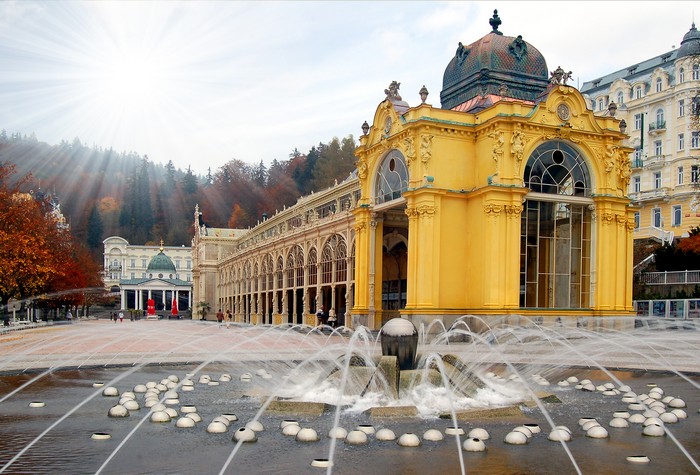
<point x="161" y="265"/>
<point x="495" y="66"/>
<point x="690" y="46"/>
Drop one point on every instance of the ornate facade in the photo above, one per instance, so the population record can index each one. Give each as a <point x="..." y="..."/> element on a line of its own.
<point x="658" y="100"/>
<point x="510" y="199"/>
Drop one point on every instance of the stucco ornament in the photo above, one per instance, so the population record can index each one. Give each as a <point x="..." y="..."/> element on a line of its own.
<point x="426" y="148"/>
<point x="695" y="204"/>
<point x="392" y="92"/>
<point x="497" y="147"/>
<point x="517" y="145"/>
<point x="409" y="150"/>
<point x="559" y="76"/>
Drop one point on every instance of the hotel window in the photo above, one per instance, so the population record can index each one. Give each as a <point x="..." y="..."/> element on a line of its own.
<point x="188" y="264"/>
<point x="680" y="175"/>
<point x="656" y="217"/>
<point x="177" y="264"/>
<point x="620" y="98"/>
<point x="695" y="140"/>
<point x="681" y="141"/>
<point x="638" y="92"/>
<point x="658" y="148"/>
<point x="660" y="119"/>
<point x="658" y="85"/>
<point x="657" y="180"/>
<point x="638" y="156"/>
<point x="681" y="76"/>
<point x="133" y="262"/>
<point x="637" y="184"/>
<point x="636" y="220"/>
<point x="637" y="121"/>
<point x="676" y="221"/>
<point x="133" y="275"/>
<point x="694" y="174"/>
<point x="143" y="263"/>
<point x="696" y="72"/>
<point x="681" y="108"/>
<point x="601" y="104"/>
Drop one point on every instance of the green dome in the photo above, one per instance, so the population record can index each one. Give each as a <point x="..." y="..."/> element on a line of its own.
<point x="690" y="46"/>
<point x="161" y="264"/>
<point x="495" y="65"/>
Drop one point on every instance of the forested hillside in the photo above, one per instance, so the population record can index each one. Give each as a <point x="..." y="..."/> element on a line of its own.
<point x="104" y="192"/>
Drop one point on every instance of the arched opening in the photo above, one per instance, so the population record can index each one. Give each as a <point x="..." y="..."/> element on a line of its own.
<point x="555" y="238"/>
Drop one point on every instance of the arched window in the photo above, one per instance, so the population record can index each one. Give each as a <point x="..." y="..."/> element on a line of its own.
<point x="681" y="76"/>
<point x="696" y="72"/>
<point x="313" y="269"/>
<point x="659" y="85"/>
<point x="555" y="253"/>
<point x="392" y="178"/>
<point x="638" y="92"/>
<point x="660" y="119"/>
<point x="557" y="168"/>
<point x="620" y="98"/>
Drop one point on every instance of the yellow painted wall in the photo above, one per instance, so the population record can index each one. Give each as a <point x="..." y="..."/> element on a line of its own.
<point x="465" y="199"/>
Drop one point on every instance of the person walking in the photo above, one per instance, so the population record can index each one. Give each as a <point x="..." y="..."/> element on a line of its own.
<point x="331" y="317"/>
<point x="121" y="317"/>
<point x="220" y="317"/>
<point x="228" y="317"/>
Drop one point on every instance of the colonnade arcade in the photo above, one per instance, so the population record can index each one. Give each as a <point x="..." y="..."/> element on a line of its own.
<point x="289" y="284"/>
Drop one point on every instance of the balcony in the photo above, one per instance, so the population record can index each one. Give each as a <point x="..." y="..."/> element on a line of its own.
<point x="637" y="163"/>
<point x="657" y="127"/>
<point x="656" y="194"/>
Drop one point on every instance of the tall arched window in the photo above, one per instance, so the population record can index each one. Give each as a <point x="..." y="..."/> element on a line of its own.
<point x="659" y="85"/>
<point x="555" y="244"/>
<point x="660" y="119"/>
<point x="681" y="76"/>
<point x="620" y="98"/>
<point x="696" y="72"/>
<point x="392" y="178"/>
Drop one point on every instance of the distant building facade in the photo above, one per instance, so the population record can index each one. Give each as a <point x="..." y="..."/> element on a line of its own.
<point x="659" y="100"/>
<point x="140" y="273"/>
<point x="509" y="199"/>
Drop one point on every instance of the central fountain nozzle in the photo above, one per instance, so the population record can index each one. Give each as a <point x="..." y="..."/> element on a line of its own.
<point x="399" y="338"/>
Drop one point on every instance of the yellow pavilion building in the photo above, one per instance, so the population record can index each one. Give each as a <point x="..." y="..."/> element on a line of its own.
<point x="511" y="198"/>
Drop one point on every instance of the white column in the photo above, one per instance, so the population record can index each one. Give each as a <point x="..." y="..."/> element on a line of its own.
<point x="122" y="297"/>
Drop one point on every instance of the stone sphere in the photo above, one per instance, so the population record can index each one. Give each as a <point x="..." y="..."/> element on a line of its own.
<point x="654" y="430"/>
<point x="479" y="433"/>
<point x="291" y="429"/>
<point x="619" y="422"/>
<point x="185" y="422"/>
<point x="307" y="435"/>
<point x="118" y="411"/>
<point x="474" y="444"/>
<point x="110" y="391"/>
<point x="515" y="438"/>
<point x="409" y="440"/>
<point x="356" y="437"/>
<point x="337" y="433"/>
<point x="433" y="435"/>
<point x="217" y="427"/>
<point x="385" y="434"/>
<point x="597" y="432"/>
<point x="160" y="416"/>
<point x="245" y="435"/>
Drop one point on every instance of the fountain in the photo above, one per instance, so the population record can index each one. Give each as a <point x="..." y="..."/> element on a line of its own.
<point x="584" y="398"/>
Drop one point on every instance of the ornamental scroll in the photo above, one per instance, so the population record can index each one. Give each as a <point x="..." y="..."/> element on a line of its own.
<point x="421" y="210"/>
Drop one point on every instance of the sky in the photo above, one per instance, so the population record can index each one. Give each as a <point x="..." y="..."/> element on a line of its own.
<point x="202" y="83"/>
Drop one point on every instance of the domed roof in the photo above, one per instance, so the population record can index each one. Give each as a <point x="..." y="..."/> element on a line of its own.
<point x="690" y="46"/>
<point x="495" y="65"/>
<point x="160" y="263"/>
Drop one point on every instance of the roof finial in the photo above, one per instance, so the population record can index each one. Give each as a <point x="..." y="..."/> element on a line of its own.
<point x="161" y="245"/>
<point x="495" y="22"/>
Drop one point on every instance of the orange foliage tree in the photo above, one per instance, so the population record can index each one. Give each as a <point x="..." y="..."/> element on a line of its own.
<point x="36" y="256"/>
